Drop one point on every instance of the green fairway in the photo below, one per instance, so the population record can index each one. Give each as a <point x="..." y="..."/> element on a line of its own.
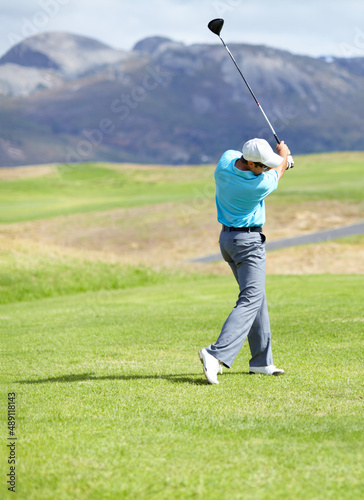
<point x="89" y="187"/>
<point x="112" y="403"/>
<point x="332" y="176"/>
<point x="102" y="315"/>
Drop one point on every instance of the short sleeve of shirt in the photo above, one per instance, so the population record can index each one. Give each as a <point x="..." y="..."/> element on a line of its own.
<point x="268" y="183"/>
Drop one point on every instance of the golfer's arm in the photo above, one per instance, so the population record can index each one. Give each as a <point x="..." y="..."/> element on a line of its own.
<point x="281" y="168"/>
<point x="283" y="151"/>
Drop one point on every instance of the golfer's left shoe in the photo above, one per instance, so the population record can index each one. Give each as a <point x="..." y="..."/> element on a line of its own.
<point x="211" y="366"/>
<point x="266" y="370"/>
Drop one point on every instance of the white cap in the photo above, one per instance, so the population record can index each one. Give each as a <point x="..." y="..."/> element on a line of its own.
<point x="259" y="150"/>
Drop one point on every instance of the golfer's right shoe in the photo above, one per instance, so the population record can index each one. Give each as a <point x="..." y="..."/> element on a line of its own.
<point x="211" y="366"/>
<point x="266" y="370"/>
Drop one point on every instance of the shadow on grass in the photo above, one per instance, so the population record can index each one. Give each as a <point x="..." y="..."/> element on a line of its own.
<point x="188" y="378"/>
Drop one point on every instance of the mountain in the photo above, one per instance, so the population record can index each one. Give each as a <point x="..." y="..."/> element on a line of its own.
<point x="69" y="55"/>
<point x="66" y="98"/>
<point x="48" y="59"/>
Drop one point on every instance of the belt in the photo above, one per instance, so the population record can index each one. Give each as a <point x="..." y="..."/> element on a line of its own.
<point x="243" y="229"/>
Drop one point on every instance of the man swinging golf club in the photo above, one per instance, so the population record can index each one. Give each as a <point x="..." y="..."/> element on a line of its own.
<point x="242" y="183"/>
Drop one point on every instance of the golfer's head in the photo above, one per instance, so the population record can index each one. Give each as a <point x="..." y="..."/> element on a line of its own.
<point x="261" y="154"/>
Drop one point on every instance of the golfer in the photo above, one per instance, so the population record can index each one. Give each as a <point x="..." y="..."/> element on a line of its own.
<point x="242" y="183"/>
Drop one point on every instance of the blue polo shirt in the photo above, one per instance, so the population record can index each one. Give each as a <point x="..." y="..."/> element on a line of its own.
<point x="240" y="194"/>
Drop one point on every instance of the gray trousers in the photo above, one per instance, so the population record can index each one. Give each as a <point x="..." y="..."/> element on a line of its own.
<point x="245" y="253"/>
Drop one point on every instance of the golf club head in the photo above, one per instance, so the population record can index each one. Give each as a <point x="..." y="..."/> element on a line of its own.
<point x="216" y="26"/>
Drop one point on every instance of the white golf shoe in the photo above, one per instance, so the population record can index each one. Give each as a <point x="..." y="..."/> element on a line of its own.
<point x="266" y="370"/>
<point x="211" y="366"/>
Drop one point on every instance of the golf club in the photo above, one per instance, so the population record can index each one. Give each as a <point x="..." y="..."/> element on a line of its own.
<point x="216" y="26"/>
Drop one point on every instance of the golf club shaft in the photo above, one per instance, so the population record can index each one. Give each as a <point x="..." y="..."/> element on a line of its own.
<point x="250" y="90"/>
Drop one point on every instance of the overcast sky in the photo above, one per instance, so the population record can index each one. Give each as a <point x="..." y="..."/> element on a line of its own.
<point x="312" y="27"/>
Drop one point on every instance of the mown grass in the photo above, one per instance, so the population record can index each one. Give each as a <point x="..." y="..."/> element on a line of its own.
<point x="111" y="399"/>
<point x="112" y="402"/>
<point x="332" y="176"/>
<point x="89" y="187"/>
<point x="86" y="188"/>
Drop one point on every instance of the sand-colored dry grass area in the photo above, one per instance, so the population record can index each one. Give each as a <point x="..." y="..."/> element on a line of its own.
<point x="28" y="172"/>
<point x="171" y="234"/>
<point x="332" y="257"/>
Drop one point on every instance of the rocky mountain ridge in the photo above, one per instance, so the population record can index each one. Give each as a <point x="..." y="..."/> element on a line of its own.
<point x="66" y="98"/>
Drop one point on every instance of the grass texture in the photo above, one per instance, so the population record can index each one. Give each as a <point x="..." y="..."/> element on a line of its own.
<point x="112" y="402"/>
<point x="90" y="187"/>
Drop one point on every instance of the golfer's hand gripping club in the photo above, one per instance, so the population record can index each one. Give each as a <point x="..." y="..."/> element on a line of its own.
<point x="216" y="26"/>
<point x="290" y="162"/>
<point x="283" y="150"/>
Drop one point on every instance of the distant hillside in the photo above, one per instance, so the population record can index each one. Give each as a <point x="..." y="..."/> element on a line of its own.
<point x="66" y="98"/>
